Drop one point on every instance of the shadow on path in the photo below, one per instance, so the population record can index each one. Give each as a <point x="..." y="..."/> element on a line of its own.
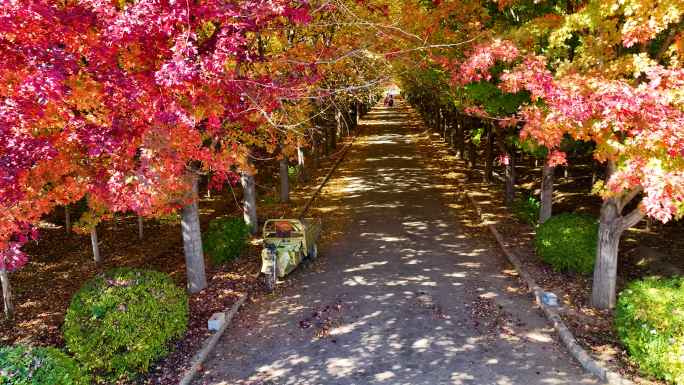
<point x="405" y="298"/>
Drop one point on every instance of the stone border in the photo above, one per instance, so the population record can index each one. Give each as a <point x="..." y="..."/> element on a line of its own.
<point x="210" y="344"/>
<point x="587" y="362"/>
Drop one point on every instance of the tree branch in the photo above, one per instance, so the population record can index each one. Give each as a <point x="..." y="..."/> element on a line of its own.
<point x="668" y="39"/>
<point x="567" y="146"/>
<point x="661" y="51"/>
<point x="500" y="139"/>
<point x="624" y="199"/>
<point x="629" y="220"/>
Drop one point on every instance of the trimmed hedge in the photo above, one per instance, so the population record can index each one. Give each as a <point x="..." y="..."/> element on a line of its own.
<point x="650" y="320"/>
<point x="526" y="210"/>
<point x="568" y="242"/>
<point x="34" y="365"/>
<point x="124" y="319"/>
<point x="226" y="239"/>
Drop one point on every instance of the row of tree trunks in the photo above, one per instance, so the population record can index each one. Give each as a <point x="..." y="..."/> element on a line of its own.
<point x="345" y="119"/>
<point x="612" y="222"/>
<point x="190" y="223"/>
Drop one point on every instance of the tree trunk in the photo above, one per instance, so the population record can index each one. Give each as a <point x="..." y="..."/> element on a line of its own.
<point x="471" y="147"/>
<point x="249" y="206"/>
<point x="355" y="113"/>
<point x="611" y="227"/>
<point x="546" y="204"/>
<point x="438" y="115"/>
<point x="446" y="127"/>
<point x="594" y="172"/>
<point x="314" y="148"/>
<point x="96" y="247"/>
<point x="605" y="269"/>
<point x="489" y="155"/>
<point x="284" y="180"/>
<point x="510" y="177"/>
<point x="649" y="225"/>
<point x="326" y="142"/>
<point x="7" y="294"/>
<point x="67" y="219"/>
<point x="301" y="164"/>
<point x="192" y="242"/>
<point x="93" y="239"/>
<point x="333" y="132"/>
<point x="460" y="137"/>
<point x="471" y="154"/>
<point x="140" y="227"/>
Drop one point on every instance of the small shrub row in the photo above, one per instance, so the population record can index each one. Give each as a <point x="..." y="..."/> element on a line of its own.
<point x="649" y="318"/>
<point x="226" y="239"/>
<point x="568" y="242"/>
<point x="526" y="210"/>
<point x="124" y="319"/>
<point x="33" y="365"/>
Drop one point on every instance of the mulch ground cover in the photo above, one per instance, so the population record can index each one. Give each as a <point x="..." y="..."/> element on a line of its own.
<point x="60" y="264"/>
<point x="592" y="328"/>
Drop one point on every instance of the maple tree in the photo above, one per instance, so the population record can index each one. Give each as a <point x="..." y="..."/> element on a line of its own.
<point x="624" y="98"/>
<point x="128" y="101"/>
<point x="595" y="72"/>
<point x="120" y="102"/>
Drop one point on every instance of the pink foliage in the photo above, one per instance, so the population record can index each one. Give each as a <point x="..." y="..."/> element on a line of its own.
<point x="482" y="58"/>
<point x="641" y="124"/>
<point x="104" y="99"/>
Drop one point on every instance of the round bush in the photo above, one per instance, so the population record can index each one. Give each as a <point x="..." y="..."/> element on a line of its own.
<point x="33" y="365"/>
<point x="526" y="210"/>
<point x="650" y="321"/>
<point x="226" y="239"/>
<point x="124" y="319"/>
<point x="568" y="242"/>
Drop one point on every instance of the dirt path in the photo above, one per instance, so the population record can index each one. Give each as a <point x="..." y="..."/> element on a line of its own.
<point x="403" y="298"/>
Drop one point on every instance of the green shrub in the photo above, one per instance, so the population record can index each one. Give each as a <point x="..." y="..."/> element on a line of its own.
<point x="267" y="199"/>
<point x="293" y="173"/>
<point x="33" y="365"/>
<point x="172" y="218"/>
<point x="122" y="320"/>
<point x="526" y="210"/>
<point x="568" y="242"/>
<point x="226" y="239"/>
<point x="650" y="320"/>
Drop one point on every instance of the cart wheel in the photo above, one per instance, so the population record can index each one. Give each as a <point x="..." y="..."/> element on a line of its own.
<point x="313" y="251"/>
<point x="270" y="282"/>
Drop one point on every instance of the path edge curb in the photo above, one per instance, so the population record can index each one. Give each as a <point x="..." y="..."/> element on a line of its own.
<point x="210" y="344"/>
<point x="585" y="360"/>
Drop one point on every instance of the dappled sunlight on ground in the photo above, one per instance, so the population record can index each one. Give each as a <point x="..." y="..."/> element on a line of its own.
<point x="405" y="297"/>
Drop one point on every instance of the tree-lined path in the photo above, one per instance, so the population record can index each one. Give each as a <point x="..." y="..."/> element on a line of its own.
<point x="404" y="296"/>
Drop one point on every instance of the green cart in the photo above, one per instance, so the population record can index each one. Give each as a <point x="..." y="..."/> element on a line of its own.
<point x="286" y="243"/>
